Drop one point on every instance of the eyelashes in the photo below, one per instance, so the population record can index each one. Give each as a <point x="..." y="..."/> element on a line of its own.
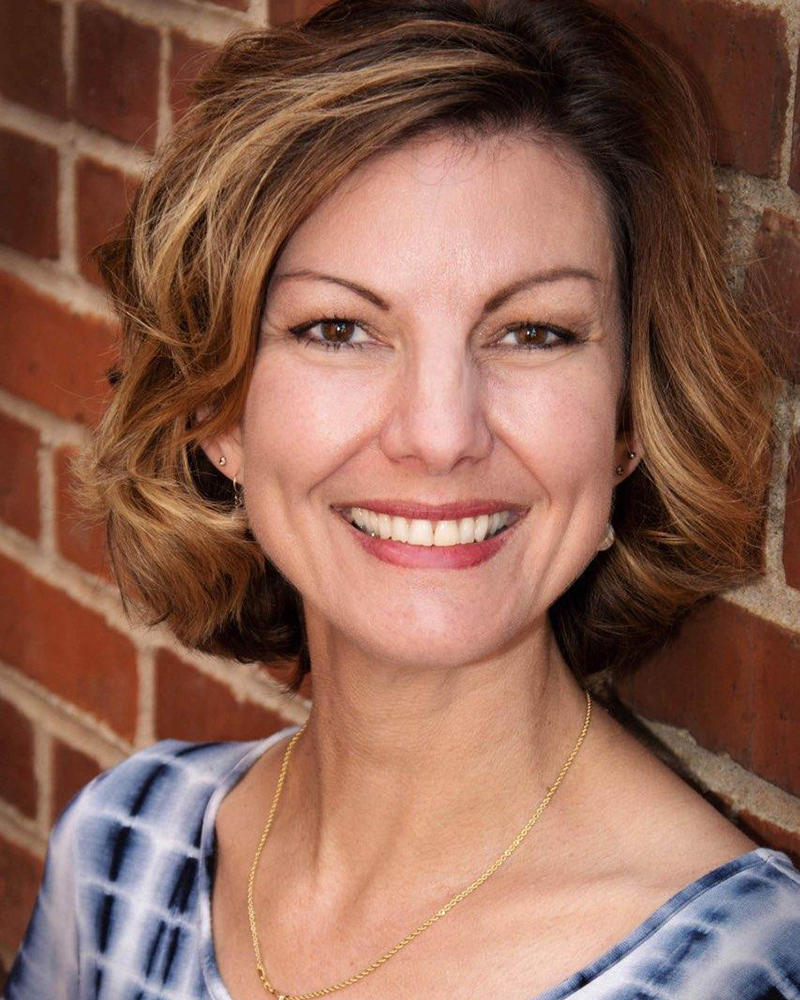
<point x="301" y="333"/>
<point x="536" y="332"/>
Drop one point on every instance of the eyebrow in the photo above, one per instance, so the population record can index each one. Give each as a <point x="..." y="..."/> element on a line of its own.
<point x="493" y="303"/>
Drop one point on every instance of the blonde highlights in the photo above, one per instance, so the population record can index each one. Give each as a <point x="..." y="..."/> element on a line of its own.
<point x="281" y="118"/>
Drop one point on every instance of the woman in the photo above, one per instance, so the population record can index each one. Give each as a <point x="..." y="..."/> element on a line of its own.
<point x="432" y="380"/>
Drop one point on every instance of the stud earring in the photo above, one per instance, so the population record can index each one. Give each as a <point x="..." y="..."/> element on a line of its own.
<point x="608" y="538"/>
<point x="619" y="470"/>
<point x="223" y="460"/>
<point x="631" y="454"/>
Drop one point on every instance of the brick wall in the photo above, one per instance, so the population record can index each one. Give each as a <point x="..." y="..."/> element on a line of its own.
<point x="87" y="90"/>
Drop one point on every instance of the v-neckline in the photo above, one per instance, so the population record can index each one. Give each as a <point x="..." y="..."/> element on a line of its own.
<point x="252" y="752"/>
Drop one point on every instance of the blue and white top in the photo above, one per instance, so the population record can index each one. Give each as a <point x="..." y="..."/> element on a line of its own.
<point x="124" y="910"/>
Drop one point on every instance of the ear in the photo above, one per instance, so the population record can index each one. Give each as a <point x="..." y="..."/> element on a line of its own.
<point x="627" y="445"/>
<point x="224" y="450"/>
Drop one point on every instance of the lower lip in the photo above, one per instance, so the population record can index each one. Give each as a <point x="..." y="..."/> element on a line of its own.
<point x="431" y="556"/>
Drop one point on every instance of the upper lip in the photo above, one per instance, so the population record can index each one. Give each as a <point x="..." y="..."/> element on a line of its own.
<point x="434" y="512"/>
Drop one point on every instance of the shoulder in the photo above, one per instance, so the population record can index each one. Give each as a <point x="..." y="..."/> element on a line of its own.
<point x="159" y="795"/>
<point x="761" y="905"/>
<point x="136" y="827"/>
<point x="739" y="925"/>
<point x="734" y="932"/>
<point x="161" y="781"/>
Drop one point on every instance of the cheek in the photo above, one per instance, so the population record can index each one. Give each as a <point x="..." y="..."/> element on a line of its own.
<point x="302" y="419"/>
<point x="561" y="422"/>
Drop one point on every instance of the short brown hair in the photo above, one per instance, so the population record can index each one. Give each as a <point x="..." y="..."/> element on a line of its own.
<point x="280" y="119"/>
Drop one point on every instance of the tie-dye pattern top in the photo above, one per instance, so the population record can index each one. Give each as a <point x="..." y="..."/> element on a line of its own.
<point x="124" y="909"/>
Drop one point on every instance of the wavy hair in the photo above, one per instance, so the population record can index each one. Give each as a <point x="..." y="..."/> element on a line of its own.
<point x="285" y="114"/>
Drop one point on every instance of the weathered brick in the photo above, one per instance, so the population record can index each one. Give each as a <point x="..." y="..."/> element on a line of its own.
<point x="771" y="834"/>
<point x="31" y="63"/>
<point x="724" y="213"/>
<point x="78" y="540"/>
<point x="18" y="783"/>
<point x="791" y="526"/>
<point x="232" y="4"/>
<point x="771" y="282"/>
<point x="794" y="176"/>
<point x="188" y="59"/>
<point x="763" y="831"/>
<point x="116" y="87"/>
<point x="29" y="206"/>
<point x="733" y="680"/>
<point x="67" y="648"/>
<point x="52" y="356"/>
<point x="72" y="769"/>
<point x="191" y="705"/>
<point x="104" y="195"/>
<point x="20" y="878"/>
<point x="19" y="486"/>
<point x="774" y="276"/>
<point x="739" y="53"/>
<point x="283" y="11"/>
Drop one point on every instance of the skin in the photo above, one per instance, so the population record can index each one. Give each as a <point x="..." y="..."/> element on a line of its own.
<point x="442" y="708"/>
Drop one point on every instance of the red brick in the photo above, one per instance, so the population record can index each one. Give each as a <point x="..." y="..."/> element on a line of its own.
<point x="188" y="59"/>
<point x="31" y="63"/>
<point x="733" y="680"/>
<point x="104" y="197"/>
<point x="117" y="75"/>
<point x="774" y="276"/>
<point x="794" y="176"/>
<point x="791" y="526"/>
<point x="739" y="52"/>
<point x="193" y="706"/>
<point x="18" y="783"/>
<point x="72" y="769"/>
<point x="283" y="11"/>
<point x="19" y="486"/>
<point x="29" y="206"/>
<point x="52" y="356"/>
<point x="67" y="648"/>
<point x="78" y="540"/>
<point x="20" y="878"/>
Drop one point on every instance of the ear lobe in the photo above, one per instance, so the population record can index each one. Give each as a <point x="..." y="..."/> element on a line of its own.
<point x="628" y="455"/>
<point x="224" y="450"/>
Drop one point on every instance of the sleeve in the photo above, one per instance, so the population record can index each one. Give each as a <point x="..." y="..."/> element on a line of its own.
<point x="47" y="962"/>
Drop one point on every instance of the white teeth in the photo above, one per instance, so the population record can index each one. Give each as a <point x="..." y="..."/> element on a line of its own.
<point x="420" y="533"/>
<point x="400" y="529"/>
<point x="466" y="530"/>
<point x="427" y="533"/>
<point x="446" y="533"/>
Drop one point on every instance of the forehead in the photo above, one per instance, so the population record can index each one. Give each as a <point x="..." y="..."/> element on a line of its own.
<point x="451" y="214"/>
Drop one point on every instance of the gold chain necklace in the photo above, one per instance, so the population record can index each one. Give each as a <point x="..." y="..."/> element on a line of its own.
<point x="431" y="920"/>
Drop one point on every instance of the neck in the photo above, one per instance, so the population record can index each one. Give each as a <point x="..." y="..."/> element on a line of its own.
<point x="430" y="771"/>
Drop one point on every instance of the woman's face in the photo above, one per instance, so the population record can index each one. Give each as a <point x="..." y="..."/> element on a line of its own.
<point x="478" y="363"/>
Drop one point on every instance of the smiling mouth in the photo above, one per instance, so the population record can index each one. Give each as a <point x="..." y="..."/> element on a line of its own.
<point x="420" y="532"/>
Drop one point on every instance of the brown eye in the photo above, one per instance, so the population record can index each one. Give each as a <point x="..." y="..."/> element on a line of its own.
<point x="532" y="335"/>
<point x="330" y="333"/>
<point x="337" y="330"/>
<point x="538" y="336"/>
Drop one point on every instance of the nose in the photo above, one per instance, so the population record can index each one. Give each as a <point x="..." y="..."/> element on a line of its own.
<point x="437" y="418"/>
